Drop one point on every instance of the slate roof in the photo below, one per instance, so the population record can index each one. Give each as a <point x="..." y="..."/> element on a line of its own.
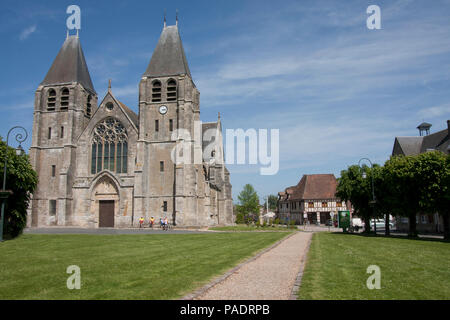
<point x="407" y="145"/>
<point x="169" y="58"/>
<point x="133" y="116"/>
<point x="69" y="66"/>
<point x="424" y="125"/>
<point x="415" y="145"/>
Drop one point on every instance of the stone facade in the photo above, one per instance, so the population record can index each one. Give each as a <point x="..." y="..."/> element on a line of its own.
<point x="106" y="166"/>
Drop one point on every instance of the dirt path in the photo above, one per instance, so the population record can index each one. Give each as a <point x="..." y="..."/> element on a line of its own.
<point x="270" y="276"/>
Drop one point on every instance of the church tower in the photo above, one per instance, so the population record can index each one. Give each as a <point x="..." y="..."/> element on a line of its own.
<point x="64" y="102"/>
<point x="168" y="111"/>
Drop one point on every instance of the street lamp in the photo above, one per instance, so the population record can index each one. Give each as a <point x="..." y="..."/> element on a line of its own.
<point x="364" y="175"/>
<point x="4" y="193"/>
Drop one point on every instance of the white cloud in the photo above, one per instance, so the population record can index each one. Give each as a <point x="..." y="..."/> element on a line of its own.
<point x="435" y="111"/>
<point x="27" y="32"/>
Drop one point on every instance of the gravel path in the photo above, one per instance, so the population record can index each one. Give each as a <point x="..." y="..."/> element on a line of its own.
<point x="269" y="277"/>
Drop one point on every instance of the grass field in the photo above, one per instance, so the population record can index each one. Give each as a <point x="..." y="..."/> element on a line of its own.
<point x="121" y="266"/>
<point x="244" y="227"/>
<point x="410" y="269"/>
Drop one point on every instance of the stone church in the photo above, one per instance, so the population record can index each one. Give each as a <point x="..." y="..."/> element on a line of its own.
<point x="103" y="165"/>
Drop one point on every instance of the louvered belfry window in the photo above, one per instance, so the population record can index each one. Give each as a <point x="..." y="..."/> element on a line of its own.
<point x="65" y="99"/>
<point x="88" y="106"/>
<point x="51" y="100"/>
<point x="156" y="91"/>
<point x="109" y="147"/>
<point x="171" y="90"/>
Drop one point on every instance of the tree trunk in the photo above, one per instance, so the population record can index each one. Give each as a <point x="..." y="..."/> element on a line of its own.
<point x="446" y="217"/>
<point x="386" y="226"/>
<point x="367" y="225"/>
<point x="412" y="225"/>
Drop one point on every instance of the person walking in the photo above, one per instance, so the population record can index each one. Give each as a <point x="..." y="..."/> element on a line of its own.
<point x="141" y="222"/>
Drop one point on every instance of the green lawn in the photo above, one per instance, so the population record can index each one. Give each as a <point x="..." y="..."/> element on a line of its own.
<point x="244" y="227"/>
<point x="121" y="266"/>
<point x="410" y="269"/>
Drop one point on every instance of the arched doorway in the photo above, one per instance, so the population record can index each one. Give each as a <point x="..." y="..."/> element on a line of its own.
<point x="106" y="197"/>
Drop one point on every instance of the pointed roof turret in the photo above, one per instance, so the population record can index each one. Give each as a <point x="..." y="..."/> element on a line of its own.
<point x="69" y="66"/>
<point x="168" y="59"/>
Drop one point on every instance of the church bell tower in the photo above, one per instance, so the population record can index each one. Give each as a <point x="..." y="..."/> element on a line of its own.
<point x="64" y="102"/>
<point x="168" y="103"/>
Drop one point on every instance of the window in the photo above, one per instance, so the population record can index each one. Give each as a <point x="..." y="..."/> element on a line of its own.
<point x="109" y="147"/>
<point x="339" y="204"/>
<point x="51" y="100"/>
<point x="171" y="90"/>
<point x="156" y="91"/>
<point x="88" y="106"/>
<point x="53" y="170"/>
<point x="170" y="125"/>
<point x="161" y="166"/>
<point x="62" y="132"/>
<point x="424" y="219"/>
<point x="310" y="204"/>
<point x="52" y="207"/>
<point x="156" y="125"/>
<point x="65" y="99"/>
<point x="49" y="133"/>
<point x="109" y="106"/>
<point x="165" y="206"/>
<point x="324" y="204"/>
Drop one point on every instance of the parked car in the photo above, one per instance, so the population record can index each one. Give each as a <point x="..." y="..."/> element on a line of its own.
<point x="380" y="223"/>
<point x="357" y="222"/>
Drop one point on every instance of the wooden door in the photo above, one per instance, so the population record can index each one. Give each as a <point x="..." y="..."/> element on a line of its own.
<point x="106" y="213"/>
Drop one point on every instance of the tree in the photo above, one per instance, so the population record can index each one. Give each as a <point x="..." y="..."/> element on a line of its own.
<point x="358" y="190"/>
<point x="273" y="202"/>
<point x="403" y="185"/>
<point x="21" y="179"/>
<point x="248" y="202"/>
<point x="433" y="171"/>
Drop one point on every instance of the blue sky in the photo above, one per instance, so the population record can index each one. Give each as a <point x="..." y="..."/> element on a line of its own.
<point x="336" y="90"/>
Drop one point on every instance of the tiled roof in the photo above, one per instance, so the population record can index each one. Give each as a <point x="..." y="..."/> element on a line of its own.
<point x="313" y="186"/>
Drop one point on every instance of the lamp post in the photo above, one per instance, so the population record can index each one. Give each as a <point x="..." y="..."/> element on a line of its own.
<point x="373" y="192"/>
<point x="19" y="151"/>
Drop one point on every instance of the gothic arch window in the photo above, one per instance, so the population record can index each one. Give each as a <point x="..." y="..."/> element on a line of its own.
<point x="171" y="90"/>
<point x="65" y="98"/>
<point x="156" y="91"/>
<point x="109" y="147"/>
<point x="51" y="100"/>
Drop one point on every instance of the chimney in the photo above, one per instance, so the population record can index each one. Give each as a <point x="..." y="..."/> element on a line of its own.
<point x="448" y="126"/>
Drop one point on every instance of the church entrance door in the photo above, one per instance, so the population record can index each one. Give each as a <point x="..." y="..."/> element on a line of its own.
<point x="106" y="214"/>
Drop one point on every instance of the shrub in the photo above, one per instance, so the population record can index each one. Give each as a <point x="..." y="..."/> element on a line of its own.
<point x="240" y="218"/>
